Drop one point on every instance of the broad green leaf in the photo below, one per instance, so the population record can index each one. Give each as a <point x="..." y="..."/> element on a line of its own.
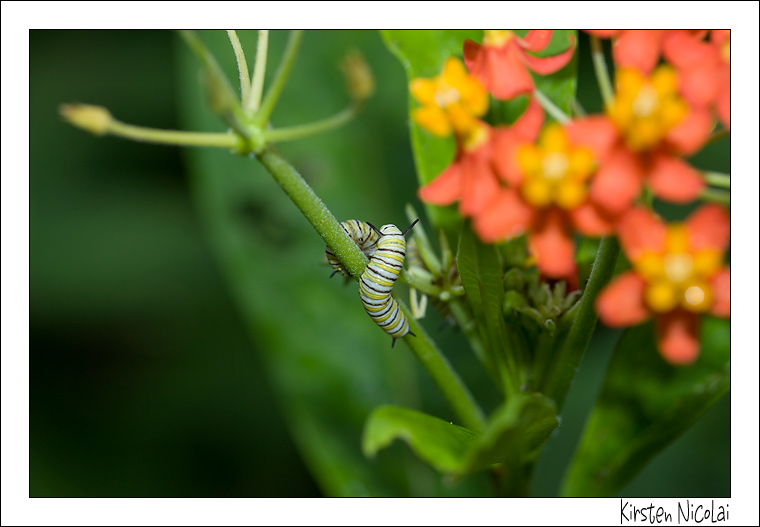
<point x="515" y="434"/>
<point x="645" y="404"/>
<point x="444" y="446"/>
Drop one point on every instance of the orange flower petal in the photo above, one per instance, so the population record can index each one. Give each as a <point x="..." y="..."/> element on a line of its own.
<point x="479" y="182"/>
<point x="589" y="220"/>
<point x="552" y="245"/>
<point x="473" y="59"/>
<point x="444" y="189"/>
<point x="677" y="336"/>
<point x="537" y="39"/>
<point x="639" y="49"/>
<point x="621" y="303"/>
<point x="684" y="50"/>
<point x="723" y="105"/>
<point x="673" y="179"/>
<point x="721" y="289"/>
<point x="547" y="65"/>
<point x="505" y="217"/>
<point x="641" y="231"/>
<point x="507" y="142"/>
<point x="691" y="133"/>
<point x="698" y="85"/>
<point x="597" y="133"/>
<point x="709" y="227"/>
<point x="617" y="182"/>
<point x="603" y="33"/>
<point x="509" y="77"/>
<point x="529" y="124"/>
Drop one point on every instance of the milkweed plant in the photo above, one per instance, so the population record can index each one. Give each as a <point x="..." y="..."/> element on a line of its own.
<point x="540" y="220"/>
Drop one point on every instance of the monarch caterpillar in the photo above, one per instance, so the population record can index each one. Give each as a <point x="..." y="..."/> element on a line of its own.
<point x="363" y="236"/>
<point x="378" y="278"/>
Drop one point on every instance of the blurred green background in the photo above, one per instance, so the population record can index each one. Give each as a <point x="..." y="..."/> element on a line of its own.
<point x="185" y="338"/>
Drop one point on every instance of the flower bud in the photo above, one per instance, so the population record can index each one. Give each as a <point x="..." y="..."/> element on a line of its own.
<point x="359" y="79"/>
<point x="94" y="119"/>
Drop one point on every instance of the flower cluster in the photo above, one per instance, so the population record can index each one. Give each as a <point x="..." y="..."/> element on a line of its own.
<point x="590" y="175"/>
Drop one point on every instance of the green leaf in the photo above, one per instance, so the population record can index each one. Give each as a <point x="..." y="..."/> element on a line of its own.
<point x="444" y="446"/>
<point x="514" y="436"/>
<point x="516" y="431"/>
<point x="645" y="403"/>
<point x="480" y="268"/>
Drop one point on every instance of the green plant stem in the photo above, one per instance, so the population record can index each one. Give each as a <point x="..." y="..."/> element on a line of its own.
<point x="551" y="108"/>
<point x="222" y="98"/>
<point x="470" y="329"/>
<point x="328" y="227"/>
<point x="447" y="380"/>
<point x="569" y="357"/>
<point x="716" y="196"/>
<point x="174" y="137"/>
<point x="602" y="75"/>
<point x="245" y="83"/>
<point x="305" y="130"/>
<point x="278" y="83"/>
<point x="314" y="210"/>
<point x="252" y="102"/>
<point x="717" y="179"/>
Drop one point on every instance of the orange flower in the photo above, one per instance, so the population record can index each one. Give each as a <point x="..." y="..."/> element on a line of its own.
<point x="704" y="69"/>
<point x="470" y="179"/>
<point x="678" y="274"/>
<point x="646" y="130"/>
<point x="637" y="48"/>
<point x="451" y="102"/>
<point x="502" y="62"/>
<point x="546" y="194"/>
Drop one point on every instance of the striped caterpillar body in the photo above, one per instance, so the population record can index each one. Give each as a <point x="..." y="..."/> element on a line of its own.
<point x="363" y="236"/>
<point x="378" y="278"/>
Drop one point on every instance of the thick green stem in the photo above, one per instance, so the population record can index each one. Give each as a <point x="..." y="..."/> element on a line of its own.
<point x="275" y="89"/>
<point x="602" y="75"/>
<point x="314" y="210"/>
<point x="566" y="363"/>
<point x="328" y="227"/>
<point x="447" y="380"/>
<point x="305" y="130"/>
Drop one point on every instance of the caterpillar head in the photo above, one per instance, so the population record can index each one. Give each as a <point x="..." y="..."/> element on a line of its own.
<point x="391" y="230"/>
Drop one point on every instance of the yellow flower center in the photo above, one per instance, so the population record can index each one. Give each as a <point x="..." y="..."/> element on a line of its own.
<point x="450" y="102"/>
<point x="554" y="171"/>
<point x="445" y="94"/>
<point x="677" y="276"/>
<point x="496" y="38"/>
<point x="644" y="110"/>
